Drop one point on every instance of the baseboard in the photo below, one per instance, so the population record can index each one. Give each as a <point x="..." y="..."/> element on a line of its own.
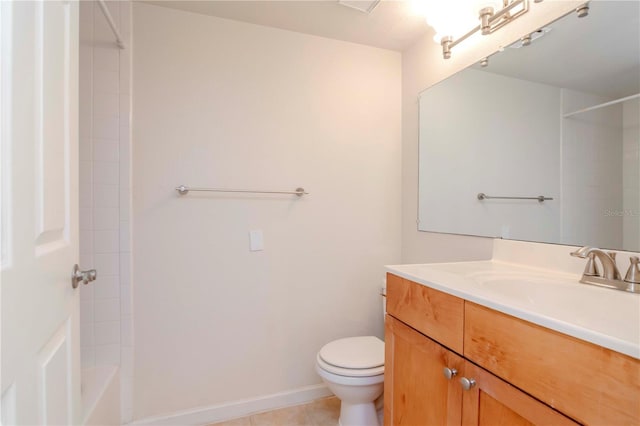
<point x="240" y="408"/>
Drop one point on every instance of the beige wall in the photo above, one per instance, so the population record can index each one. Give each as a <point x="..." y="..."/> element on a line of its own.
<point x="227" y="104"/>
<point x="423" y="66"/>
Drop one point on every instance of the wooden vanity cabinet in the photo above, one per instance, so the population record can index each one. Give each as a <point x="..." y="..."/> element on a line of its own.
<point x="523" y="374"/>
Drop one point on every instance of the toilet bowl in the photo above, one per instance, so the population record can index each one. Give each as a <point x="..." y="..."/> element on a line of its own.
<point x="353" y="369"/>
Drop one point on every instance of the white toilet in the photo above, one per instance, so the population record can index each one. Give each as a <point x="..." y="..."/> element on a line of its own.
<point x="353" y="369"/>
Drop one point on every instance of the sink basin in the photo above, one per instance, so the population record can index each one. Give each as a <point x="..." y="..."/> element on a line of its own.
<point x="551" y="293"/>
<point x="483" y="277"/>
<point x="532" y="288"/>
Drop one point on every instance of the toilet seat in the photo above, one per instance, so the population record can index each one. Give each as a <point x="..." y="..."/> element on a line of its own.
<point x="350" y="372"/>
<point x="361" y="356"/>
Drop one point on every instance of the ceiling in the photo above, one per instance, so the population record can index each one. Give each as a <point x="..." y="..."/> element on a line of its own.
<point x="576" y="53"/>
<point x="391" y="25"/>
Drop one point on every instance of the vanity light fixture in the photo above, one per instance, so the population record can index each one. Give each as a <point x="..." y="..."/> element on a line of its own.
<point x="528" y="39"/>
<point x="583" y="11"/>
<point x="490" y="21"/>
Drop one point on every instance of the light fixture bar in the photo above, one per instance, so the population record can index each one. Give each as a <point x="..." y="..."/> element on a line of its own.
<point x="490" y="21"/>
<point x="504" y="13"/>
<point x="448" y="43"/>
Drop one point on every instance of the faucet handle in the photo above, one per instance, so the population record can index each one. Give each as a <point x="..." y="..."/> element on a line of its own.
<point x="591" y="268"/>
<point x="633" y="273"/>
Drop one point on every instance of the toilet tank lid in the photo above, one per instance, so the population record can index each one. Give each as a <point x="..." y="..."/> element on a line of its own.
<point x="354" y="352"/>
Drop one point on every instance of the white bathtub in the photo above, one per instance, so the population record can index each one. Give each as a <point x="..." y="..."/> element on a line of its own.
<point x="101" y="396"/>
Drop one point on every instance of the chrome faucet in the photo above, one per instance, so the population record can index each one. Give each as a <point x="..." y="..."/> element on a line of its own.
<point x="609" y="268"/>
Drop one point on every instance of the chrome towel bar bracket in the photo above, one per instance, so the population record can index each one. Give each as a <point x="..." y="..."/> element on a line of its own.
<point x="184" y="190"/>
<point x="540" y="198"/>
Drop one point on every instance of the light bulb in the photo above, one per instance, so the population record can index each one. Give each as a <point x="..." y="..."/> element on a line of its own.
<point x="449" y="18"/>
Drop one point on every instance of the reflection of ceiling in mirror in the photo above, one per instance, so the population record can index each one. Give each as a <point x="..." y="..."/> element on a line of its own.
<point x="582" y="53"/>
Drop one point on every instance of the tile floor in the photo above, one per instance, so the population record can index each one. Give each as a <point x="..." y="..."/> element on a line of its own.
<point x="323" y="412"/>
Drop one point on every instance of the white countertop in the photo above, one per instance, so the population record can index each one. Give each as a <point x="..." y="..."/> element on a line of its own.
<point x="552" y="299"/>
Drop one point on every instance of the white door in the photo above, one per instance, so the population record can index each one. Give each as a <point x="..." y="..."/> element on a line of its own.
<point x="39" y="206"/>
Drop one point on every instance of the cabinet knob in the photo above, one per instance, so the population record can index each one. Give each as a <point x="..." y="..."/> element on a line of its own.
<point x="449" y="373"/>
<point x="467" y="383"/>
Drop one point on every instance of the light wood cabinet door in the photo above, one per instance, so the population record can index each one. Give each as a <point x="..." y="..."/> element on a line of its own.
<point x="416" y="390"/>
<point x="493" y="402"/>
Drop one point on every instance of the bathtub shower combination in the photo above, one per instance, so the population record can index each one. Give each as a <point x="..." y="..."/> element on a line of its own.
<point x="105" y="315"/>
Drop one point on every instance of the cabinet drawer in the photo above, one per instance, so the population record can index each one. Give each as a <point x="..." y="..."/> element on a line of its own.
<point x="591" y="384"/>
<point x="433" y="313"/>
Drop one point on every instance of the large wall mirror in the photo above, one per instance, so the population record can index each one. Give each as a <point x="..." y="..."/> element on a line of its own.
<point x="557" y="118"/>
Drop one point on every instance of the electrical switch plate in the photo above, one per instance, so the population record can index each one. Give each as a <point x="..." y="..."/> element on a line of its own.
<point x="256" y="240"/>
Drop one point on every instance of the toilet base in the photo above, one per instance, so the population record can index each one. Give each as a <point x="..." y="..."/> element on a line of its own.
<point x="363" y="414"/>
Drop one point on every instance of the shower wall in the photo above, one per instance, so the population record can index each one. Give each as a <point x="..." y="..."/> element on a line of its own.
<point x="105" y="99"/>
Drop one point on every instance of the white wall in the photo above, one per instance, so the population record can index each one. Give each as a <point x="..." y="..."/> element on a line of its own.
<point x="105" y="98"/>
<point x="226" y="104"/>
<point x="423" y="66"/>
<point x="470" y="143"/>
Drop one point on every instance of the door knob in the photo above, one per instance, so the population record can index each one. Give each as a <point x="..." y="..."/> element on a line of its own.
<point x="85" y="277"/>
<point x="467" y="383"/>
<point x="449" y="373"/>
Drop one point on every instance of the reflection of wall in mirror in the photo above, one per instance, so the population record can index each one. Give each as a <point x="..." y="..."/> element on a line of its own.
<point x="483" y="132"/>
<point x="583" y="162"/>
<point x="592" y="169"/>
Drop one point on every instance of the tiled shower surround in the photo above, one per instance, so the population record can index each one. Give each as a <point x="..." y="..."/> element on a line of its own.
<point x="105" y="100"/>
